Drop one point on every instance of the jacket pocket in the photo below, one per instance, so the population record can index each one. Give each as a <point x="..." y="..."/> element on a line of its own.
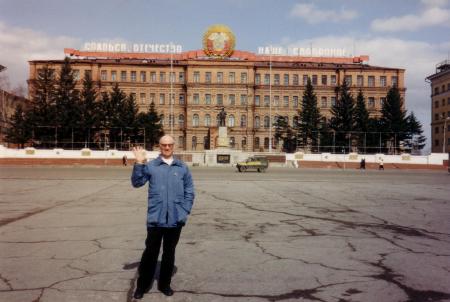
<point x="181" y="212"/>
<point x="154" y="210"/>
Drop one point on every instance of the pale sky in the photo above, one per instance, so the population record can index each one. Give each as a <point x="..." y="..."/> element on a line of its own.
<point x="409" y="34"/>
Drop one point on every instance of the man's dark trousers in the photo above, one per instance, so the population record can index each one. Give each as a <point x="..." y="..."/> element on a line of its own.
<point x="169" y="237"/>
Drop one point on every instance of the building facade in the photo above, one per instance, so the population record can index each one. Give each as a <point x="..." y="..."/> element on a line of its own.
<point x="440" y="108"/>
<point x="190" y="88"/>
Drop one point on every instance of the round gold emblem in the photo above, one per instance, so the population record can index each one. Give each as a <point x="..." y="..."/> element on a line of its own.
<point x="218" y="41"/>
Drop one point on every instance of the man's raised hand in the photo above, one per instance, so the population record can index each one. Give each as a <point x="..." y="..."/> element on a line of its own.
<point x="139" y="154"/>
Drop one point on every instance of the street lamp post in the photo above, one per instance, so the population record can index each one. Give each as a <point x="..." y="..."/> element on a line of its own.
<point x="445" y="130"/>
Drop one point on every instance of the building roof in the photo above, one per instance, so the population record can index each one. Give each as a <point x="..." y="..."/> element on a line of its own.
<point x="442" y="68"/>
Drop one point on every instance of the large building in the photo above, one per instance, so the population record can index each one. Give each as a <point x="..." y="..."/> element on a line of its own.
<point x="440" y="108"/>
<point x="202" y="82"/>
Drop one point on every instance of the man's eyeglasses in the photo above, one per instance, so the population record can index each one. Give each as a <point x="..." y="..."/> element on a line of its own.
<point x="166" y="145"/>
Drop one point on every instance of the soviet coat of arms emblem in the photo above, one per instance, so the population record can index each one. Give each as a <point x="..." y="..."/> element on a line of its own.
<point x="218" y="41"/>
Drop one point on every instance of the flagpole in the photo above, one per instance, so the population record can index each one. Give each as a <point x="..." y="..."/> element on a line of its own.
<point x="270" y="99"/>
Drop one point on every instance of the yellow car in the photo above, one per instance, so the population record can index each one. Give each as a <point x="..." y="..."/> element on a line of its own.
<point x="258" y="163"/>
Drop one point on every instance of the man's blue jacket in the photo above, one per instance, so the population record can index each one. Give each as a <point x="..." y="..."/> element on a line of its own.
<point x="170" y="191"/>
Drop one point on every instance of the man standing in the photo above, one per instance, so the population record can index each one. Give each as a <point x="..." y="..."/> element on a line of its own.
<point x="170" y="199"/>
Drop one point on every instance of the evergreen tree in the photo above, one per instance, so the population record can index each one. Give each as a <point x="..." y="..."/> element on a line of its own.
<point x="42" y="113"/>
<point x="415" y="139"/>
<point x="18" y="131"/>
<point x="150" y="121"/>
<point x="393" y="120"/>
<point x="343" y="120"/>
<point x="67" y="103"/>
<point x="361" y="119"/>
<point x="90" y="111"/>
<point x="285" y="133"/>
<point x="308" y="117"/>
<point x="127" y="118"/>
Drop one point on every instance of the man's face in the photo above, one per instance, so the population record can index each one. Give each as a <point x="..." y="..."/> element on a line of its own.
<point x="166" y="147"/>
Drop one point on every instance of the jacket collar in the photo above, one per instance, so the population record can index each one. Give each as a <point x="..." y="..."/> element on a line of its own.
<point x="176" y="161"/>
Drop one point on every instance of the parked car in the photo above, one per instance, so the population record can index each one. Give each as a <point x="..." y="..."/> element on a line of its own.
<point x="258" y="163"/>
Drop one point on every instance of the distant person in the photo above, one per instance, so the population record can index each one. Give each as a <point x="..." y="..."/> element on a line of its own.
<point x="362" y="164"/>
<point x="170" y="199"/>
<point x="124" y="160"/>
<point x="381" y="164"/>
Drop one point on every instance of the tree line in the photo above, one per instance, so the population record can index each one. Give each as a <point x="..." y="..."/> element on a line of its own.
<point x="59" y="115"/>
<point x="350" y="127"/>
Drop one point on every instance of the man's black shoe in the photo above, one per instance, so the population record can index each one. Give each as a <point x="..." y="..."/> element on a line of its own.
<point x="139" y="293"/>
<point x="166" y="291"/>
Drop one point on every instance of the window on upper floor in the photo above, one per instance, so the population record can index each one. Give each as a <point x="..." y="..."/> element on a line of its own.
<point x="383" y="82"/>
<point x="324" y="79"/>
<point x="286" y="79"/>
<point x="103" y="75"/>
<point x="243" y="78"/>
<point x="207" y="77"/>
<point x="295" y="79"/>
<point x="143" y="76"/>
<point x="133" y="76"/>
<point x="196" y="76"/>
<point x="276" y="79"/>
<point x="360" y="80"/>
<point x="232" y="77"/>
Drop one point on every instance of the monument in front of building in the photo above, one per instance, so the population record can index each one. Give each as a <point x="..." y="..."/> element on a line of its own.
<point x="223" y="141"/>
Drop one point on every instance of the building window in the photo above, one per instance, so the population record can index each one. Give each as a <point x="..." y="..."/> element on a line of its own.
<point x="267" y="79"/>
<point x="171" y="120"/>
<point x="172" y="77"/>
<point x="232" y="142"/>
<point x="76" y="74"/>
<point x="276" y="79"/>
<point x="443" y="102"/>
<point x="266" y="143"/>
<point x="436" y="142"/>
<point x="257" y="100"/>
<point x="162" y="99"/>
<point x="196" y="76"/>
<point x="181" y="120"/>
<point x="266" y="122"/>
<point x="314" y="79"/>
<point x="220" y="77"/>
<point x="360" y="80"/>
<point x="153" y="77"/>
<point x="371" y="81"/>
<point x="256" y="142"/>
<point x="286" y="79"/>
<point x="88" y="73"/>
<point x="243" y="100"/>
<point x="113" y="75"/>
<point x="394" y="80"/>
<point x="348" y="80"/>
<point x="133" y="76"/>
<point x="436" y="130"/>
<point x="243" y="121"/>
<point x="162" y="77"/>
<point x="161" y="119"/>
<point x="324" y="102"/>
<point x="220" y="99"/>
<point x="181" y="99"/>
<point x="244" y="143"/>
<point x="383" y="81"/>
<point x="207" y="120"/>
<point x="295" y="101"/>
<point x="232" y="99"/>
<point x="382" y="101"/>
<point x="436" y="116"/>
<point x="257" y="79"/>
<point x="276" y="101"/>
<point x="142" y="96"/>
<point x="436" y="104"/>
<point x="231" y="77"/>
<point x="286" y="101"/>
<point x="333" y="80"/>
<point x="143" y="76"/>
<point x="266" y="101"/>
<point x="371" y="102"/>
<point x="152" y="98"/>
<point x="295" y="79"/>
<point x="257" y="122"/>
<point x="195" y="120"/>
<point x="231" y="120"/>
<point x="305" y="79"/>
<point x="123" y="75"/>
<point x="103" y="75"/>
<point x="333" y="101"/>
<point x="196" y="100"/>
<point x="207" y="99"/>
<point x="208" y="77"/>
<point x="194" y="142"/>
<point x="181" y="77"/>
<point x="133" y="96"/>
<point x="171" y="98"/>
<point x="324" y="79"/>
<point x="243" y="78"/>
<point x="181" y="142"/>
